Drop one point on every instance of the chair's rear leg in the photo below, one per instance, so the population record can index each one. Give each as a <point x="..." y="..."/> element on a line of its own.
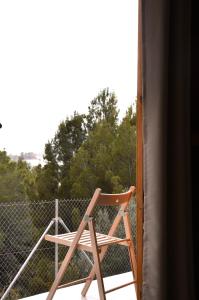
<point x="133" y="265"/>
<point x="97" y="261"/>
<point x="103" y="250"/>
<point x="127" y="226"/>
<point x="132" y="256"/>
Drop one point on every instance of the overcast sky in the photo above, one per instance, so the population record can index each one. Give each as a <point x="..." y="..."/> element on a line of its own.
<point x="55" y="56"/>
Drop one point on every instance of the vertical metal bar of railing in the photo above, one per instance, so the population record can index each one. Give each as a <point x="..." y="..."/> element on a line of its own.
<point x="56" y="233"/>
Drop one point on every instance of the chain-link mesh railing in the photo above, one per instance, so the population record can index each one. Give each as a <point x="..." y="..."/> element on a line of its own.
<point x="21" y="226"/>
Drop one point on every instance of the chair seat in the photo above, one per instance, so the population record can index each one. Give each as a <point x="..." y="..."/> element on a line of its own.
<point x="85" y="240"/>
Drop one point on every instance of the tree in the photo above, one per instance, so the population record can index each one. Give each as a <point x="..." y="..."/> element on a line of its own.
<point x="11" y="180"/>
<point x="124" y="150"/>
<point x="90" y="150"/>
<point x="91" y="163"/>
<point x="69" y="137"/>
<point x="47" y="178"/>
<point x="28" y="176"/>
<point x="106" y="159"/>
<point x="58" y="154"/>
<point x="102" y="108"/>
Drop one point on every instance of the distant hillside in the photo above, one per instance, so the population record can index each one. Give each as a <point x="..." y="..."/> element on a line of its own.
<point x="31" y="158"/>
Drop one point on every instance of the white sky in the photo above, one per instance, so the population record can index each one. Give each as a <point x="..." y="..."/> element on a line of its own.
<point x="55" y="56"/>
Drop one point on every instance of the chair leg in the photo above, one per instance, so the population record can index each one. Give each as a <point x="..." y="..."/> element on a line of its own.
<point x="97" y="261"/>
<point x="133" y="266"/>
<point x="103" y="250"/>
<point x="132" y="256"/>
<point x="127" y="227"/>
<point x="59" y="276"/>
<point x="92" y="273"/>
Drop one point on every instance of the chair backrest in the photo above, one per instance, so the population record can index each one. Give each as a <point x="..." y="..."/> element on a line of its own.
<point x="107" y="200"/>
<point x="115" y="199"/>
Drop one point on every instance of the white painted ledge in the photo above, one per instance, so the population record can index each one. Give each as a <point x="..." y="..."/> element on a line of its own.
<point x="74" y="292"/>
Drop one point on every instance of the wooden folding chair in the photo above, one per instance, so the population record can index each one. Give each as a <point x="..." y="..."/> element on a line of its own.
<point x="96" y="243"/>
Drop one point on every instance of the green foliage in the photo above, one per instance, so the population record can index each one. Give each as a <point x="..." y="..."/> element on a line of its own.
<point x="42" y="274"/>
<point x="116" y="184"/>
<point x="13" y="185"/>
<point x="89" y="151"/>
<point x="28" y="176"/>
<point x="124" y="150"/>
<point x="92" y="161"/>
<point x="2" y="240"/>
<point x="58" y="154"/>
<point x="47" y="177"/>
<point x="16" y="235"/>
<point x="13" y="295"/>
<point x="106" y="159"/>
<point x="76" y="217"/>
<point x="69" y="137"/>
<point x="103" y="222"/>
<point x="102" y="108"/>
<point x="46" y="182"/>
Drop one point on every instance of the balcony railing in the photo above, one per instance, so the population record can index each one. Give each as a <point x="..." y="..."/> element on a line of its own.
<point x="21" y="226"/>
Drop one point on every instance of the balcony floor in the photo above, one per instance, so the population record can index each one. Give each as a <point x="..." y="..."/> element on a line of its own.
<point x="74" y="292"/>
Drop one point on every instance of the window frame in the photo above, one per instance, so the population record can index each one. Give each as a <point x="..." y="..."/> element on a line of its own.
<point x="139" y="163"/>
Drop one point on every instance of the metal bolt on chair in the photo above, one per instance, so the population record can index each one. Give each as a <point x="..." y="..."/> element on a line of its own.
<point x="96" y="243"/>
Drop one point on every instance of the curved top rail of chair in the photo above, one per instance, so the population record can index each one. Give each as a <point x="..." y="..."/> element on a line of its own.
<point x="116" y="199"/>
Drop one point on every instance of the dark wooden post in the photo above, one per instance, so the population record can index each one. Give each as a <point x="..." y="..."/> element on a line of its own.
<point x="139" y="175"/>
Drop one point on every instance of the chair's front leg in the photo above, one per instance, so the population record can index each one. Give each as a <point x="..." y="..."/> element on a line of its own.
<point x="60" y="273"/>
<point x="96" y="260"/>
<point x="93" y="273"/>
<point x="103" y="250"/>
<point x="131" y="248"/>
<point x="65" y="262"/>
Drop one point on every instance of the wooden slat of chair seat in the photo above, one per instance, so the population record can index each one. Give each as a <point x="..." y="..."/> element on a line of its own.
<point x="85" y="240"/>
<point x="66" y="242"/>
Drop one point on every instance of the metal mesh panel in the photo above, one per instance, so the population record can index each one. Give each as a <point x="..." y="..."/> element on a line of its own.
<point x="21" y="226"/>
